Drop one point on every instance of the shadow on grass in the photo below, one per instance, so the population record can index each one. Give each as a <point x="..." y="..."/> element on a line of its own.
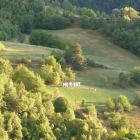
<point x="97" y="104"/>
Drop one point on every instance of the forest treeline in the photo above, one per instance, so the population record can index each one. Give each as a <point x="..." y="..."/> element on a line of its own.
<point x="106" y="5"/>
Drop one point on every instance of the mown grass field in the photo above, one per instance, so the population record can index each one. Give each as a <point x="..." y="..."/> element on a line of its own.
<point x="15" y="51"/>
<point x="98" y="97"/>
<point x="94" y="46"/>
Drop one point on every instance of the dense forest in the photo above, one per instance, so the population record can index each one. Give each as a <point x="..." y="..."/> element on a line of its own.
<point x="106" y="5"/>
<point x="28" y="110"/>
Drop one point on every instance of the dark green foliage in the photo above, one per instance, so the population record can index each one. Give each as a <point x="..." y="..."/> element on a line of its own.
<point x="116" y="121"/>
<point x="55" y="22"/>
<point x="137" y="99"/>
<point x="83" y="103"/>
<point x="28" y="23"/>
<point x="60" y="104"/>
<point x="69" y="15"/>
<point x="125" y="76"/>
<point x="51" y="19"/>
<point x="136" y="74"/>
<point x="21" y="37"/>
<point x="7" y="29"/>
<point x="38" y="37"/>
<point x="85" y="22"/>
<point x="25" y="60"/>
<point x="73" y="55"/>
<point x="107" y="6"/>
<point x="91" y="63"/>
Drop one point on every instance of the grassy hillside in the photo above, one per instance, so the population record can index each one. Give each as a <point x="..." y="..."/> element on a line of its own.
<point x="90" y="96"/>
<point x="97" y="47"/>
<point x="94" y="46"/>
<point x="16" y="50"/>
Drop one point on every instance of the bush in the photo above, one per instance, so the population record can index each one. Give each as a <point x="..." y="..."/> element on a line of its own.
<point x="5" y="66"/>
<point x="25" y="60"/>
<point x="125" y="103"/>
<point x="137" y="99"/>
<point x="125" y="76"/>
<point x="120" y="104"/>
<point x="136" y="74"/>
<point x="70" y="74"/>
<point x="21" y="38"/>
<point x="1" y="47"/>
<point x="60" y="104"/>
<point x="90" y="110"/>
<point x="38" y="37"/>
<point x="91" y="63"/>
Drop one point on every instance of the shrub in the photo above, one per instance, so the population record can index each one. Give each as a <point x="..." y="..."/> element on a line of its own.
<point x="91" y="110"/>
<point x="5" y="66"/>
<point x="25" y="60"/>
<point x="21" y="37"/>
<point x="110" y="104"/>
<point x="120" y="104"/>
<point x="125" y="76"/>
<point x="91" y="63"/>
<point x="125" y="103"/>
<point x="1" y="47"/>
<point x="60" y="104"/>
<point x="136" y="74"/>
<point x="137" y="99"/>
<point x="70" y="74"/>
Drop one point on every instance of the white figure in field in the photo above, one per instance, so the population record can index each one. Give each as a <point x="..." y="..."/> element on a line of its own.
<point x="74" y="84"/>
<point x="95" y="89"/>
<point x="65" y="84"/>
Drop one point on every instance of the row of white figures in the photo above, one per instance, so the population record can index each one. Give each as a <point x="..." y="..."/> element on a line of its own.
<point x="71" y="84"/>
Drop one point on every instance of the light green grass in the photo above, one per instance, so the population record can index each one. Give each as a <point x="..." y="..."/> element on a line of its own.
<point x="104" y="52"/>
<point x="98" y="48"/>
<point x="90" y="96"/>
<point x="15" y="39"/>
<point x="94" y="76"/>
<point x="15" y="51"/>
<point x="94" y="46"/>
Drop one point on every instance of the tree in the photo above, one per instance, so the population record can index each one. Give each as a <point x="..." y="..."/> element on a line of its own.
<point x="21" y="37"/>
<point x="70" y="74"/>
<point x="28" y="23"/>
<point x="50" y="60"/>
<point x="32" y="82"/>
<point x="65" y="4"/>
<point x="5" y="66"/>
<point x="60" y="104"/>
<point x="125" y="103"/>
<point x="125" y="76"/>
<point x="78" y="62"/>
<point x="85" y="22"/>
<point x="46" y="73"/>
<point x="136" y="74"/>
<point x="90" y="13"/>
<point x="110" y="104"/>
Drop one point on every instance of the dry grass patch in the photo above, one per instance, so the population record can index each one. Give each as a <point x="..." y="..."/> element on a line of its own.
<point x="134" y="118"/>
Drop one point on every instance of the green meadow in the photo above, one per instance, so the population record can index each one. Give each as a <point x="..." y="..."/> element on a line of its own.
<point x="94" y="46"/>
